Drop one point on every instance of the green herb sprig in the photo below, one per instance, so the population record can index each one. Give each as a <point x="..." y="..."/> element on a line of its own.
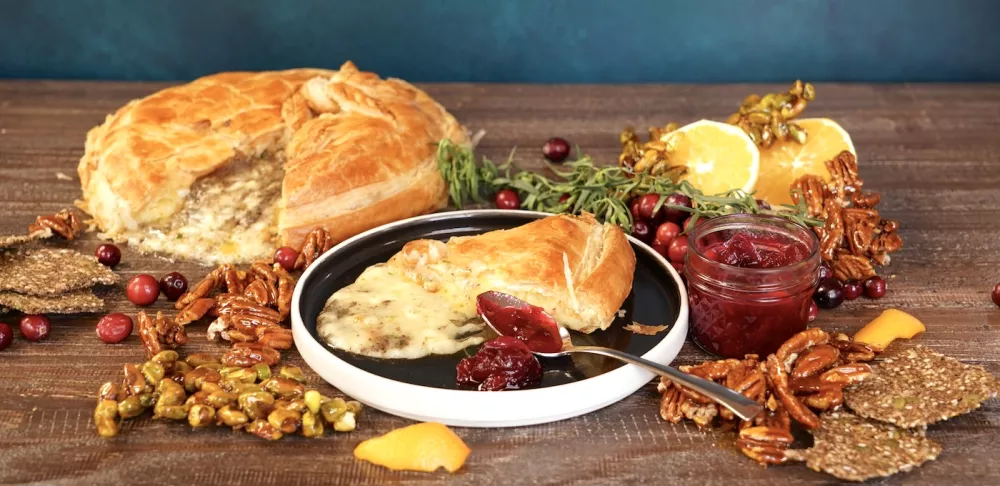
<point x="601" y="191"/>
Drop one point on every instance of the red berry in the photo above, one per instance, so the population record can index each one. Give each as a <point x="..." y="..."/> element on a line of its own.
<point x="829" y="294"/>
<point x="556" y="149"/>
<point x="875" y="287"/>
<point x="6" y="336"/>
<point x="35" y="327"/>
<point x="108" y="254"/>
<point x="564" y="198"/>
<point x="677" y="248"/>
<point x="633" y="207"/>
<point x="666" y="232"/>
<point x="996" y="295"/>
<point x="673" y="215"/>
<point x="173" y="285"/>
<point x="286" y="256"/>
<point x="852" y="289"/>
<point x="508" y="199"/>
<point x="647" y="204"/>
<point x="660" y="248"/>
<point x="114" y="328"/>
<point x="642" y="232"/>
<point x="813" y="311"/>
<point x="825" y="272"/>
<point x="142" y="290"/>
<point x="679" y="267"/>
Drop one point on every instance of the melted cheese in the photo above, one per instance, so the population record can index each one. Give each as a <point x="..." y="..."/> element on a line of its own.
<point x="384" y="314"/>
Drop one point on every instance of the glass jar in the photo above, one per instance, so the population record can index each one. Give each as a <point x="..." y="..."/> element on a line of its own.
<point x="750" y="279"/>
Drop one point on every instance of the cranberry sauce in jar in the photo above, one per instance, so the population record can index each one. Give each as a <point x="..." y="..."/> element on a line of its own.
<point x="750" y="281"/>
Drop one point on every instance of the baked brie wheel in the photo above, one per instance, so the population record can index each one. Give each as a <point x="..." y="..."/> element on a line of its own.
<point x="228" y="167"/>
<point x="423" y="300"/>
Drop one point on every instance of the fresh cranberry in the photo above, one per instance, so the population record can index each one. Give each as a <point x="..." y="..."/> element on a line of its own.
<point x="763" y="205"/>
<point x="556" y="149"/>
<point x="640" y="230"/>
<point x="108" y="254"/>
<point x="114" y="328"/>
<point x="564" y="198"/>
<point x="173" y="285"/>
<point x="647" y="204"/>
<point x="666" y="232"/>
<point x="875" y="287"/>
<point x="633" y="208"/>
<point x="996" y="295"/>
<point x="660" y="248"/>
<point x="852" y="289"/>
<point x="829" y="294"/>
<point x="286" y="257"/>
<point x="6" y="336"/>
<point x="675" y="215"/>
<point x="142" y="290"/>
<point x="35" y="327"/>
<point x="825" y="272"/>
<point x="677" y="249"/>
<point x="504" y="363"/>
<point x="679" y="267"/>
<point x="813" y="311"/>
<point x="508" y="199"/>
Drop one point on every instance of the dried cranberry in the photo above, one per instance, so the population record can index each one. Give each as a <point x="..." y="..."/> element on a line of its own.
<point x="677" y="249"/>
<point x="504" y="363"/>
<point x="173" y="285"/>
<point x="142" y="290"/>
<point x="996" y="295"/>
<point x="674" y="215"/>
<point x="640" y="230"/>
<point x="813" y="311"/>
<point x="666" y="232"/>
<point x="114" y="328"/>
<point x="35" y="327"/>
<point x="556" y="149"/>
<point x="852" y="289"/>
<point x="875" y="287"/>
<point x="108" y="254"/>
<point x="829" y="293"/>
<point x="508" y="199"/>
<point x="6" y="336"/>
<point x="825" y="272"/>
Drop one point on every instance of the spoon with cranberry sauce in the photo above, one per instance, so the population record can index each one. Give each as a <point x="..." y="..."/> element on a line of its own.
<point x="510" y="316"/>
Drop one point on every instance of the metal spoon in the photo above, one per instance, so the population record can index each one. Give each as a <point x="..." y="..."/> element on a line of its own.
<point x="740" y="405"/>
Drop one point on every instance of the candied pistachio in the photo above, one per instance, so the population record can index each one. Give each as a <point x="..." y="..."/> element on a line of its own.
<point x="243" y="375"/>
<point x="130" y="407"/>
<point x="109" y="391"/>
<point x="170" y="393"/>
<point x="283" y="387"/>
<point x="345" y="423"/>
<point x="194" y="379"/>
<point x="313" y="400"/>
<point x="180" y="368"/>
<point x="263" y="371"/>
<point x="210" y="387"/>
<point x="152" y="371"/>
<point x="312" y="425"/>
<point x="199" y="398"/>
<point x="147" y="400"/>
<point x="291" y="372"/>
<point x="105" y="415"/>
<point x="200" y="359"/>
<point x="201" y="416"/>
<point x="257" y="405"/>
<point x="261" y="428"/>
<point x="166" y="357"/>
<point x="171" y="412"/>
<point x="296" y="404"/>
<point x="285" y="420"/>
<point x="333" y="409"/>
<point x="231" y="417"/>
<point x="354" y="406"/>
<point x="221" y="398"/>
<point x="134" y="380"/>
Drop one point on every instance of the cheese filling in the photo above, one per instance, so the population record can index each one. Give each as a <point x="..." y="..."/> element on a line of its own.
<point x="386" y="315"/>
<point x="229" y="216"/>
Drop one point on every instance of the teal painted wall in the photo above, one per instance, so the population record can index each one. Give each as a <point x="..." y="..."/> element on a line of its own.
<point x="590" y="41"/>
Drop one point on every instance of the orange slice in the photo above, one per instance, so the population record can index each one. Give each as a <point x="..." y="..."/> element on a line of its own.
<point x="784" y="162"/>
<point x="421" y="447"/>
<point x="892" y="324"/>
<point x="718" y="156"/>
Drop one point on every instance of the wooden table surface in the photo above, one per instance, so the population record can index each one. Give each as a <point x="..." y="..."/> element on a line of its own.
<point x="932" y="151"/>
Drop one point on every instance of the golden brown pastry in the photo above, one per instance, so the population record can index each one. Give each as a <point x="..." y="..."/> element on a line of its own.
<point x="229" y="166"/>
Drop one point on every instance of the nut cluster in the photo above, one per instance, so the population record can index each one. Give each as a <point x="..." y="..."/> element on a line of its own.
<point x="855" y="238"/>
<point x="204" y="390"/>
<point x="808" y="373"/>
<point x="653" y="156"/>
<point x="769" y="118"/>
<point x="65" y="223"/>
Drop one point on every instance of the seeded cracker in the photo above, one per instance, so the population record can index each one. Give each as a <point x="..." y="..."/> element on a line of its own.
<point x="80" y="301"/>
<point x="854" y="449"/>
<point x="18" y="240"/>
<point x="50" y="272"/>
<point x="918" y="387"/>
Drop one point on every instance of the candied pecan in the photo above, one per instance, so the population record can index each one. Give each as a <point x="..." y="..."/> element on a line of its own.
<point x="778" y="377"/>
<point x="825" y="399"/>
<point x="831" y="235"/>
<point x="317" y="243"/>
<point x="158" y="334"/>
<point x="764" y="444"/>
<point x="232" y="280"/>
<point x="207" y="285"/>
<point x="814" y="360"/>
<point x="701" y="414"/>
<point x="249" y="354"/>
<point x="286" y="286"/>
<point x="847" y="266"/>
<point x="65" y="223"/>
<point x="248" y="323"/>
<point x="274" y="337"/>
<point x="257" y="291"/>
<point x="865" y="200"/>
<point x="810" y="188"/>
<point x="229" y="304"/>
<point x="859" y="228"/>
<point x="196" y="310"/>
<point x="843" y="170"/>
<point x="789" y="350"/>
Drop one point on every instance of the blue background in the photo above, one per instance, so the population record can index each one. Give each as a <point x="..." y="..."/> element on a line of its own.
<point x="508" y="41"/>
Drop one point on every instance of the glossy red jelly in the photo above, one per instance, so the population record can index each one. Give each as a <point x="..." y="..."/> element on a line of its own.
<point x="504" y="363"/>
<point x="528" y="323"/>
<point x="750" y="283"/>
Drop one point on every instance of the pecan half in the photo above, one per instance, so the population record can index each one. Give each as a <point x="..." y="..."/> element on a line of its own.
<point x="159" y="334"/>
<point x="65" y="223"/>
<point x="257" y="291"/>
<point x="249" y="354"/>
<point x="317" y="243"/>
<point x="211" y="282"/>
<point x="196" y="310"/>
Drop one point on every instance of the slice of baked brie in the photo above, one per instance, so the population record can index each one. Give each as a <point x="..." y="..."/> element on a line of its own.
<point x="423" y="300"/>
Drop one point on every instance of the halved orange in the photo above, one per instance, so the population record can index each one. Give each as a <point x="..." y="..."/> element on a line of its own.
<point x="784" y="162"/>
<point x="718" y="156"/>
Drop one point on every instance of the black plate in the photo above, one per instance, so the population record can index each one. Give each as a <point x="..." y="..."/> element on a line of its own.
<point x="654" y="300"/>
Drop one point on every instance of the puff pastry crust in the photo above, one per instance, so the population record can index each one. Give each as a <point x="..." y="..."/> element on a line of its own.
<point x="576" y="268"/>
<point x="357" y="151"/>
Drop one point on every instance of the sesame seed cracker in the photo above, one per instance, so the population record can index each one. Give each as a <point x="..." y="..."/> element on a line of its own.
<point x="50" y="272"/>
<point x="76" y="302"/>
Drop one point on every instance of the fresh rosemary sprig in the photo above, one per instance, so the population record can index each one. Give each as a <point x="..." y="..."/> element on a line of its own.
<point x="601" y="191"/>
